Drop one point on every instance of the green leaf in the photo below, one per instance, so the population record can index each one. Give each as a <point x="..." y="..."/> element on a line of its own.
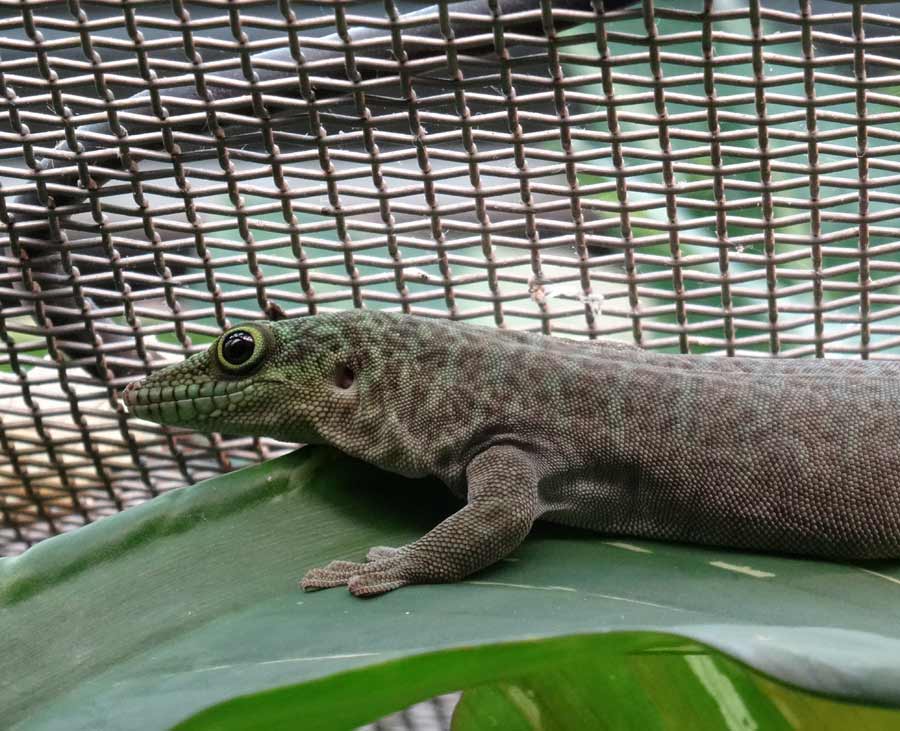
<point x="190" y="602"/>
<point x="681" y="689"/>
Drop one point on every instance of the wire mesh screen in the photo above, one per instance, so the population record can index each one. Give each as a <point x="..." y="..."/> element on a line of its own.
<point x="704" y="177"/>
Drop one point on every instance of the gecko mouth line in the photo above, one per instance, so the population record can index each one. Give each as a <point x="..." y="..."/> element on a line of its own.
<point x="207" y="400"/>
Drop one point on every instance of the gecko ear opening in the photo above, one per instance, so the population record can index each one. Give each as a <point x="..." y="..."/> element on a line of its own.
<point x="344" y="377"/>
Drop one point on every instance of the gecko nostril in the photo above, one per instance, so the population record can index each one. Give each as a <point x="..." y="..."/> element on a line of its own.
<point x="129" y="393"/>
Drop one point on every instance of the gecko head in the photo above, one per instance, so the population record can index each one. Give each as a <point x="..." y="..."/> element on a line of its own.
<point x="286" y="380"/>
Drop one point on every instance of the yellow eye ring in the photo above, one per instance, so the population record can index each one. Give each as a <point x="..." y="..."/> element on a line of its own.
<point x="240" y="349"/>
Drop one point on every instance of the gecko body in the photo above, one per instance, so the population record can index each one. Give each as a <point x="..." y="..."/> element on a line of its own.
<point x="793" y="456"/>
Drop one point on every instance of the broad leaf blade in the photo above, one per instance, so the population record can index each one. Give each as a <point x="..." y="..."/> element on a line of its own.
<point x="190" y="600"/>
<point x="684" y="689"/>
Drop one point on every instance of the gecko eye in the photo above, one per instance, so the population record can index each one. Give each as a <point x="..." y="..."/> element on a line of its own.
<point x="237" y="347"/>
<point x="240" y="349"/>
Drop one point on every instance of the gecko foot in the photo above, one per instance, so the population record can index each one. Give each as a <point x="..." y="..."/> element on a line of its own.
<point x="502" y="493"/>
<point x="362" y="579"/>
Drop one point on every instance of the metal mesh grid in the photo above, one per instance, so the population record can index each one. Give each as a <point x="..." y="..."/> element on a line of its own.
<point x="710" y="178"/>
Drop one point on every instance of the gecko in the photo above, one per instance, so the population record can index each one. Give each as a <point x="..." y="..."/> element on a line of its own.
<point x="775" y="455"/>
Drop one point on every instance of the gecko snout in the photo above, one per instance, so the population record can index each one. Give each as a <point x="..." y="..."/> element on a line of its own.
<point x="129" y="394"/>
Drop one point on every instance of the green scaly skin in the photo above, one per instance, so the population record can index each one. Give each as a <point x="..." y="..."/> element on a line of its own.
<point x="777" y="455"/>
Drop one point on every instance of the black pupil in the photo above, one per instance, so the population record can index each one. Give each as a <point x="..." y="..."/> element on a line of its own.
<point x="237" y="347"/>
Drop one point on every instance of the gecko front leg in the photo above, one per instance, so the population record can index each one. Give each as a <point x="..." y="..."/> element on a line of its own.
<point x="502" y="505"/>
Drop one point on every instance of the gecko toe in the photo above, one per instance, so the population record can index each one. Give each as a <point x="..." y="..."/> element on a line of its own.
<point x="316" y="582"/>
<point x="309" y="585"/>
<point x="363" y="579"/>
<point x="337" y="573"/>
<point x="374" y="583"/>
<point x="378" y="553"/>
<point x="347" y="568"/>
